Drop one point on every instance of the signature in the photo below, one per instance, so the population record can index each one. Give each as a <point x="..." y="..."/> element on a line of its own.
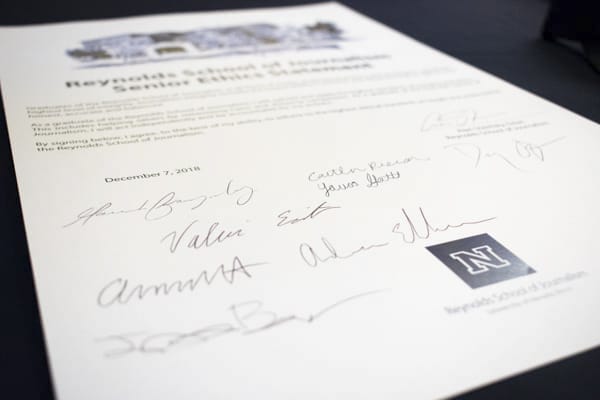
<point x="373" y="165"/>
<point x="522" y="150"/>
<point x="315" y="176"/>
<point x="426" y="228"/>
<point x="285" y="219"/>
<point x="153" y="210"/>
<point x="455" y="119"/>
<point x="121" y="291"/>
<point x="530" y="150"/>
<point x="313" y="258"/>
<point x="246" y="318"/>
<point x="373" y="180"/>
<point x="214" y="235"/>
<point x="328" y="188"/>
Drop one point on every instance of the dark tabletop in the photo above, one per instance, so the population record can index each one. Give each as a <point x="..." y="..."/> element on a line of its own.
<point x="500" y="37"/>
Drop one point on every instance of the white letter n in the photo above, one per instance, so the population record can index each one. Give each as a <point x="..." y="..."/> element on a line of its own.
<point x="480" y="260"/>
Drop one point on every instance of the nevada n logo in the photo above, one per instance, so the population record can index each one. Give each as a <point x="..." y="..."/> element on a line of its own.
<point x="480" y="260"/>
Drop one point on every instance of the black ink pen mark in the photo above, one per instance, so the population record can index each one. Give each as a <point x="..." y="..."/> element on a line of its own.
<point x="312" y="258"/>
<point x="427" y="228"/>
<point x="249" y="317"/>
<point x="371" y="166"/>
<point x="330" y="307"/>
<point x="525" y="150"/>
<point x="165" y="205"/>
<point x="374" y="181"/>
<point x="529" y="150"/>
<point x="456" y="119"/>
<point x="339" y="171"/>
<point x="285" y="219"/>
<point x="269" y="319"/>
<point x="477" y="154"/>
<point x="506" y="160"/>
<point x="129" y="344"/>
<point x="120" y="291"/>
<point x="214" y="235"/>
<point x="329" y="188"/>
<point x="374" y="165"/>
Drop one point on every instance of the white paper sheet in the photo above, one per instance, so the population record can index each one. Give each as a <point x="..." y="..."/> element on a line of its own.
<point x="293" y="203"/>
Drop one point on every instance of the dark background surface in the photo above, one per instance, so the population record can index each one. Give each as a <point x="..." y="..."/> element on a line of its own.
<point x="500" y="37"/>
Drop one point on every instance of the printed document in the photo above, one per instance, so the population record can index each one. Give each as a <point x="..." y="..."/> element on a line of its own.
<point x="293" y="203"/>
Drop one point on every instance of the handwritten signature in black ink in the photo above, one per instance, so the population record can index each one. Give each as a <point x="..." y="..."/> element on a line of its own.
<point x="522" y="150"/>
<point x="313" y="257"/>
<point x="121" y="291"/>
<point x="246" y="318"/>
<point x="213" y="236"/>
<point x="420" y="228"/>
<point x="453" y="119"/>
<point x="153" y="210"/>
<point x="285" y="219"/>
